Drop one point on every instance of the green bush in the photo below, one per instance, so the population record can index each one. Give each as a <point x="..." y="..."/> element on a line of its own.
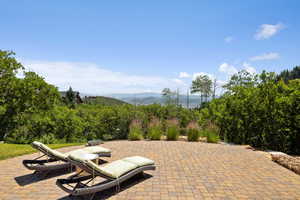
<point x="211" y="131"/>
<point x="154" y="133"/>
<point x="202" y="133"/>
<point x="183" y="131"/>
<point x="154" y="129"/>
<point x="193" y="134"/>
<point x="259" y="111"/>
<point x="172" y="129"/>
<point x="136" y="131"/>
<point x="212" y="136"/>
<point x="193" y="131"/>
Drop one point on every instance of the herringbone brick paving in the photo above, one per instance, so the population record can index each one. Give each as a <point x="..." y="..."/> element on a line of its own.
<point x="185" y="170"/>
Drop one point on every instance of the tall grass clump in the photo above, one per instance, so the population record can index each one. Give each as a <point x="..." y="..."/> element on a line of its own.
<point x="193" y="131"/>
<point x="135" y="130"/>
<point x="172" y="129"/>
<point x="212" y="133"/>
<point x="154" y="129"/>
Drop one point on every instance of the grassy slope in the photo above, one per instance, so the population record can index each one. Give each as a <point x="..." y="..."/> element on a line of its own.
<point x="107" y="101"/>
<point x="13" y="150"/>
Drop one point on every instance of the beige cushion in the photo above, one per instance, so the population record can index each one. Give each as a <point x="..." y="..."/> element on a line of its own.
<point x="78" y="152"/>
<point x="77" y="155"/>
<point x="35" y="144"/>
<point x="114" y="169"/>
<point x="138" y="160"/>
<point x="49" y="151"/>
<point x="96" y="149"/>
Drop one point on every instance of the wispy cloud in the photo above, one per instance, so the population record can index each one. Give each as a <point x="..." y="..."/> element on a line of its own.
<point x="266" y="56"/>
<point x="249" y="68"/>
<point x="228" y="39"/>
<point x="184" y="75"/>
<point x="201" y="74"/>
<point x="228" y="69"/>
<point x="266" y="31"/>
<point x="92" y="79"/>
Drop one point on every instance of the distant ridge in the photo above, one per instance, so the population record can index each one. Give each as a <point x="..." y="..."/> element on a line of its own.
<point x="102" y="100"/>
<point x="151" y="98"/>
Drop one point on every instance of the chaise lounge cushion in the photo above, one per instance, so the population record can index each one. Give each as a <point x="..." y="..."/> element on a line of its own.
<point x="114" y="169"/>
<point x="138" y="160"/>
<point x="64" y="156"/>
<point x="48" y="150"/>
<point x="118" y="168"/>
<point x="96" y="149"/>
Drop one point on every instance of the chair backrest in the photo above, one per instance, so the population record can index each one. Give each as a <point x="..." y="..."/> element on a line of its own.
<point x="87" y="165"/>
<point x="48" y="151"/>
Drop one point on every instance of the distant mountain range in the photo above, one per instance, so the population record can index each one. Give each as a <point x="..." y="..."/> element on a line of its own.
<point x="101" y="100"/>
<point x="150" y="98"/>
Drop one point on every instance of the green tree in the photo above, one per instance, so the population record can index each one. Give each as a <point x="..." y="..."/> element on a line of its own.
<point x="287" y="75"/>
<point x="21" y="95"/>
<point x="203" y="85"/>
<point x="9" y="66"/>
<point x="168" y="94"/>
<point x="242" y="78"/>
<point x="259" y="111"/>
<point x="70" y="98"/>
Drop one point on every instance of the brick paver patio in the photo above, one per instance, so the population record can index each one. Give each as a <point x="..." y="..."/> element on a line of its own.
<point x="185" y="170"/>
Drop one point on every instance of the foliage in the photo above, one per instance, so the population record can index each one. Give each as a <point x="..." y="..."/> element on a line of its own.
<point x="154" y="129"/>
<point x="58" y="125"/>
<point x="136" y="131"/>
<point x="211" y="132"/>
<point x="193" y="131"/>
<point x="242" y="79"/>
<point x="20" y="96"/>
<point x="70" y="98"/>
<point x="105" y="101"/>
<point x="172" y="129"/>
<point x="287" y="75"/>
<point x="211" y="136"/>
<point x="203" y="85"/>
<point x="259" y="111"/>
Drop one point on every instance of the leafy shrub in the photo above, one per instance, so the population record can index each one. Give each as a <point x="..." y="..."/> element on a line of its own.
<point x="172" y="129"/>
<point x="260" y="111"/>
<point x="48" y="139"/>
<point x="154" y="129"/>
<point x="136" y="131"/>
<point x="211" y="132"/>
<point x="212" y="136"/>
<point x="193" y="131"/>
<point x="183" y="131"/>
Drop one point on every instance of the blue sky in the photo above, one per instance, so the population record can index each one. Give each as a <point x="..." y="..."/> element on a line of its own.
<point x="136" y="46"/>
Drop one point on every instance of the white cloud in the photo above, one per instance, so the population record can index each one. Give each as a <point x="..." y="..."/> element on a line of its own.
<point x="228" y="69"/>
<point x="91" y="79"/>
<point x="178" y="81"/>
<point x="184" y="75"/>
<point x="220" y="83"/>
<point x="266" y="31"/>
<point x="249" y="68"/>
<point x="212" y="77"/>
<point x="266" y="56"/>
<point x="228" y="39"/>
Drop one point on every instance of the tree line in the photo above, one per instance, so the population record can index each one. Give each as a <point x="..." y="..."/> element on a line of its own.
<point x="262" y="110"/>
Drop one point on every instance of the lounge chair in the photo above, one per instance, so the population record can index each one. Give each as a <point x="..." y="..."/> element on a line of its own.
<point x="50" y="160"/>
<point x="114" y="173"/>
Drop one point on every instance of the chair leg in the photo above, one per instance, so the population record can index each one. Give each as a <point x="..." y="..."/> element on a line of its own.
<point x="92" y="196"/>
